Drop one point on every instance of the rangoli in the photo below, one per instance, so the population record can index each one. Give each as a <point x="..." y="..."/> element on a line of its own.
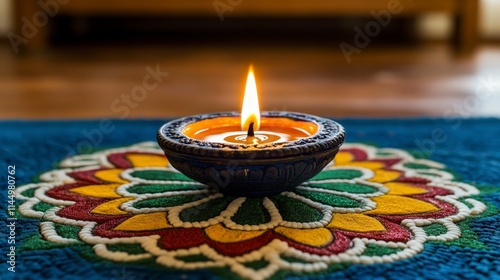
<point x="370" y="206"/>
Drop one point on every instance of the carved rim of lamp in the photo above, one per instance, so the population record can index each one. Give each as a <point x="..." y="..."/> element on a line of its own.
<point x="253" y="168"/>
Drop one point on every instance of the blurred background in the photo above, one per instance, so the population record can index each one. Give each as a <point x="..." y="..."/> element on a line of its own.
<point x="157" y="59"/>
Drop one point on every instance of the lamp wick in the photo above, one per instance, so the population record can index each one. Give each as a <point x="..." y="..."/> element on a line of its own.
<point x="250" y="132"/>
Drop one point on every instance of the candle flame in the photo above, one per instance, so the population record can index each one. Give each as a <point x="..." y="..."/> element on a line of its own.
<point x="250" y="111"/>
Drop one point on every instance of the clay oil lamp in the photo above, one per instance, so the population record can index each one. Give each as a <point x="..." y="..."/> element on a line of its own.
<point x="251" y="153"/>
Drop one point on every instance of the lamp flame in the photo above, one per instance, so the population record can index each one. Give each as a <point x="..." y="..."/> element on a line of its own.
<point x="250" y="113"/>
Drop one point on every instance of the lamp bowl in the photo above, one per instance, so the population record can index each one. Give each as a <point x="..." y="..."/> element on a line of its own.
<point x="251" y="169"/>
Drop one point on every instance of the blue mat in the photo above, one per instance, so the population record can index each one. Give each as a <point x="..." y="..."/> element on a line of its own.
<point x="451" y="166"/>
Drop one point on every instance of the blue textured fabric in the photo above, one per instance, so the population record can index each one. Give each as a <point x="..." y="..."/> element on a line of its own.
<point x="468" y="147"/>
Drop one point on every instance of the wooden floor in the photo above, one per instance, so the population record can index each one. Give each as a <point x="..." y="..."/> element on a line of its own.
<point x="77" y="82"/>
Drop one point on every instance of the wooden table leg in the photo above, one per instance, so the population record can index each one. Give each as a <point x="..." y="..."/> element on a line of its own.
<point x="466" y="26"/>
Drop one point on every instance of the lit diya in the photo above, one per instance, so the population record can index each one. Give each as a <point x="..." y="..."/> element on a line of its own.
<point x="251" y="153"/>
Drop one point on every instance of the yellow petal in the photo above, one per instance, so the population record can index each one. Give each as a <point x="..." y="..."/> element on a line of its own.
<point x="141" y="222"/>
<point x="110" y="175"/>
<point x="364" y="164"/>
<point x="355" y="222"/>
<point x="111" y="207"/>
<point x="396" y="188"/>
<point x="141" y="160"/>
<point x="400" y="205"/>
<point x="318" y="237"/>
<point x="99" y="191"/>
<point x="343" y="157"/>
<point x="224" y="235"/>
<point x="382" y="176"/>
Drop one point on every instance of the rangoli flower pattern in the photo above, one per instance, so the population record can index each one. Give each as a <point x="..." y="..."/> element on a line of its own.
<point x="371" y="206"/>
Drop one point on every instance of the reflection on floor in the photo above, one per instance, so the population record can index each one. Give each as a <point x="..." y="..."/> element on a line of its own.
<point x="110" y="81"/>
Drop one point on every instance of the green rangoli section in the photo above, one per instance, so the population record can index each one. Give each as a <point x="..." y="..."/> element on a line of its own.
<point x="206" y="210"/>
<point x="296" y="211"/>
<point x="435" y="229"/>
<point x="329" y="199"/>
<point x="42" y="207"/>
<point x="256" y="264"/>
<point x="376" y="250"/>
<point x="417" y="166"/>
<point x="252" y="212"/>
<point x="344" y="187"/>
<point x="129" y="248"/>
<point x="194" y="258"/>
<point x="159" y="175"/>
<point x="169" y="201"/>
<point x="67" y="231"/>
<point x="346" y="174"/>
<point x="161" y="188"/>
